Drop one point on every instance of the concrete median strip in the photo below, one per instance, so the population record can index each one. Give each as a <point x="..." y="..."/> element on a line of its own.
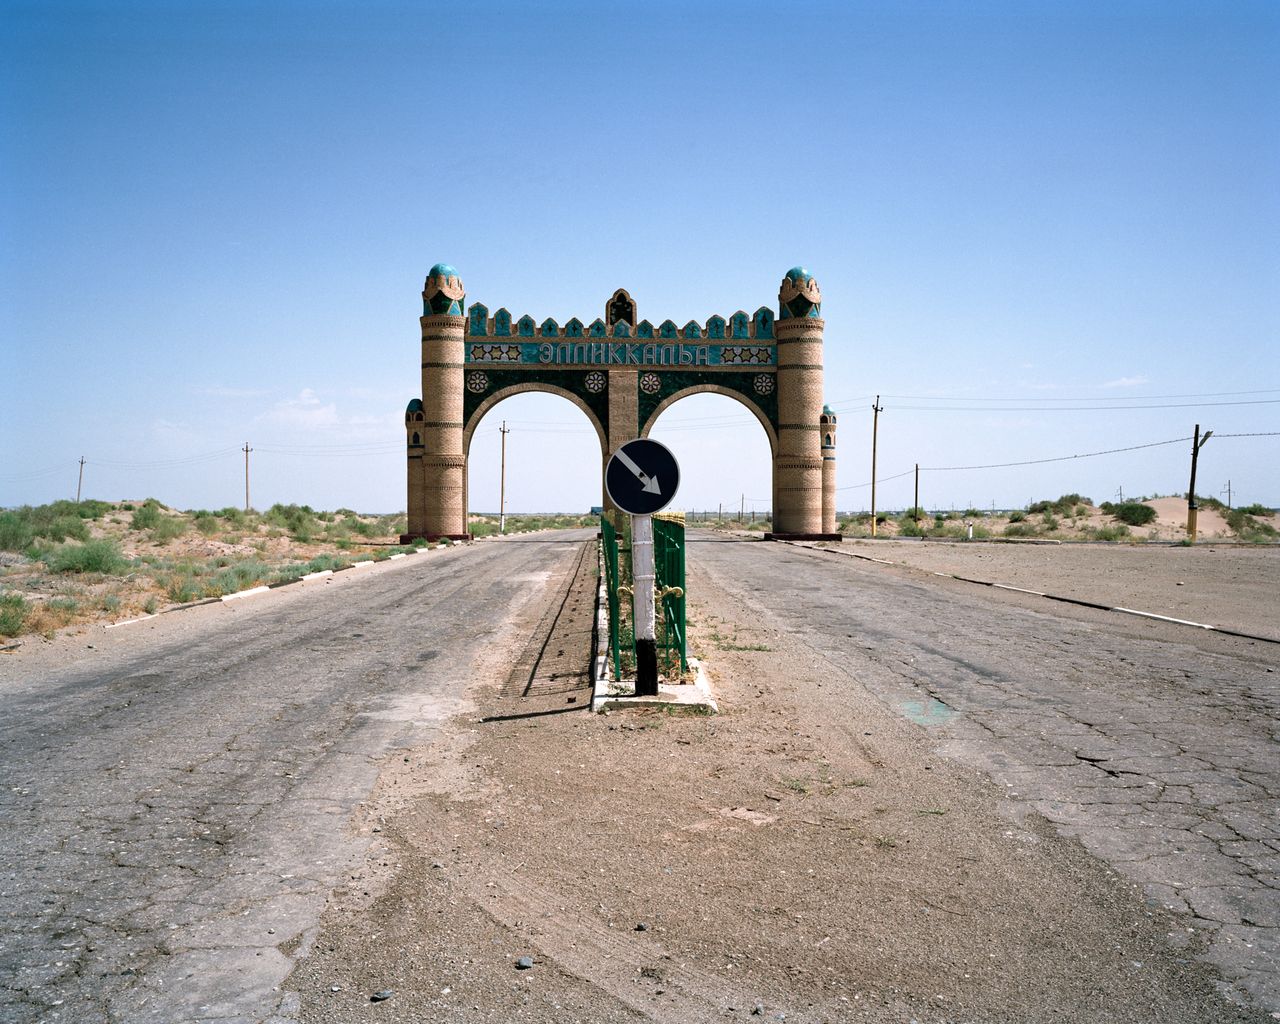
<point x="318" y="575"/>
<point x="245" y="593"/>
<point x="1165" y="618"/>
<point x="128" y="622"/>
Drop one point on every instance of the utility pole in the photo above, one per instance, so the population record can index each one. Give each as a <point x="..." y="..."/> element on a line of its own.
<point x="502" y="481"/>
<point x="246" y="450"/>
<point x="915" y="504"/>
<point x="1196" y="445"/>
<point x="875" y="429"/>
<point x="1120" y="493"/>
<point x="742" y="508"/>
<point x="80" y="482"/>
<point x="1228" y="490"/>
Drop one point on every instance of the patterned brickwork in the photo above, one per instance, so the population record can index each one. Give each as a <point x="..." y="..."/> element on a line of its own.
<point x="798" y="491"/>
<point x="622" y="375"/>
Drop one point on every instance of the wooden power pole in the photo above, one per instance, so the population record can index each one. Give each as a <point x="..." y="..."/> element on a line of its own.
<point x="1196" y="445"/>
<point x="875" y="430"/>
<point x="247" y="450"/>
<point x="80" y="482"/>
<point x="502" y="480"/>
<point x="915" y="505"/>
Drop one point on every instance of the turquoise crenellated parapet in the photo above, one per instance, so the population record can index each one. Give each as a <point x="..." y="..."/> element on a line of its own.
<point x="739" y="327"/>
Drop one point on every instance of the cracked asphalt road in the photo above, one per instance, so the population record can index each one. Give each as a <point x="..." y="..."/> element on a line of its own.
<point x="1156" y="745"/>
<point x="178" y="795"/>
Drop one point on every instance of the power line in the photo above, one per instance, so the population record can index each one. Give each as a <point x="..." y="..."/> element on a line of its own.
<point x="1080" y="408"/>
<point x="1059" y="458"/>
<point x="879" y="480"/>
<point x="1093" y="398"/>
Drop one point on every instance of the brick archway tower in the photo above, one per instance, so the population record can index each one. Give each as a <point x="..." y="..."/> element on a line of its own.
<point x="438" y="469"/>
<point x="622" y="375"/>
<point x="797" y="464"/>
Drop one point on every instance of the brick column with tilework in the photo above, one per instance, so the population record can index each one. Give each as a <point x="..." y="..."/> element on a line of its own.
<point x="797" y="466"/>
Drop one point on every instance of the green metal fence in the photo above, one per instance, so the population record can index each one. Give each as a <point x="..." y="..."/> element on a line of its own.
<point x="669" y="563"/>
<point x="668" y="558"/>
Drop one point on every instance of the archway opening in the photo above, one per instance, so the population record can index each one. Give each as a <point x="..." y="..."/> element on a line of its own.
<point x="725" y="456"/>
<point x="553" y="460"/>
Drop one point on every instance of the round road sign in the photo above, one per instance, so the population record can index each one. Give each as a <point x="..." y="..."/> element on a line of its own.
<point x="642" y="477"/>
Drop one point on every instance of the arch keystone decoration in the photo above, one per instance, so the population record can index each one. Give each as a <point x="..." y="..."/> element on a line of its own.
<point x="622" y="374"/>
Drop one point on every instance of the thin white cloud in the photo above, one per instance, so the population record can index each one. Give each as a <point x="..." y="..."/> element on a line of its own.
<point x="305" y="412"/>
<point x="322" y="421"/>
<point x="1127" y="382"/>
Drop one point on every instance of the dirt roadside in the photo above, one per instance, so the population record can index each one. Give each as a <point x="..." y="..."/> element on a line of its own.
<point x="1232" y="586"/>
<point x="802" y="856"/>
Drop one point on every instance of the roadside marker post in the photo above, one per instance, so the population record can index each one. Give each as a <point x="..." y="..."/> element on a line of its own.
<point x="641" y="478"/>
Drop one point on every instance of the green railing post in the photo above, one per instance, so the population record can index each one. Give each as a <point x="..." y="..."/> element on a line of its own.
<point x="669" y="559"/>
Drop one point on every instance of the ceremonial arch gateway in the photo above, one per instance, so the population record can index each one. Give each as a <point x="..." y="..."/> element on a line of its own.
<point x="622" y="373"/>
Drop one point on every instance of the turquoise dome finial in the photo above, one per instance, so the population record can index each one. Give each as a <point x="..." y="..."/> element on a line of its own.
<point x="799" y="295"/>
<point x="444" y="292"/>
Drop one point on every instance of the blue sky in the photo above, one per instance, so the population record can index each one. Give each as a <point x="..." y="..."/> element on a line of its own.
<point x="1041" y="230"/>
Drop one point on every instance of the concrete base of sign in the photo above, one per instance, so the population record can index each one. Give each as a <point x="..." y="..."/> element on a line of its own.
<point x="431" y="538"/>
<point x="695" y="697"/>
<point x="804" y="536"/>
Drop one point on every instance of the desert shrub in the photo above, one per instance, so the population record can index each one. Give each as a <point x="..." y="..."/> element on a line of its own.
<point x="66" y="528"/>
<point x="13" y="613"/>
<point x="1134" y="513"/>
<point x="1108" y="533"/>
<point x="234" y="516"/>
<point x="207" y="523"/>
<point x="298" y="520"/>
<point x="240" y="576"/>
<point x="168" y="528"/>
<point x="1021" y="529"/>
<point x="16" y="533"/>
<point x="1067" y="504"/>
<point x="1017" y="516"/>
<point x="1246" y="527"/>
<point x="908" y="527"/>
<point x="147" y="515"/>
<point x="484" y="528"/>
<point x="322" y="562"/>
<point x="1050" y="521"/>
<point x="102" y="556"/>
<point x="1258" y="510"/>
<point x="57" y="521"/>
<point x="183" y="587"/>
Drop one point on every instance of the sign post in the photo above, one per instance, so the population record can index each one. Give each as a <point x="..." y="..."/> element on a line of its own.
<point x="641" y="478"/>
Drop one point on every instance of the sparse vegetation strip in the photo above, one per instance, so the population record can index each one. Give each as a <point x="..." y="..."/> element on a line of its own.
<point x="69" y="563"/>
